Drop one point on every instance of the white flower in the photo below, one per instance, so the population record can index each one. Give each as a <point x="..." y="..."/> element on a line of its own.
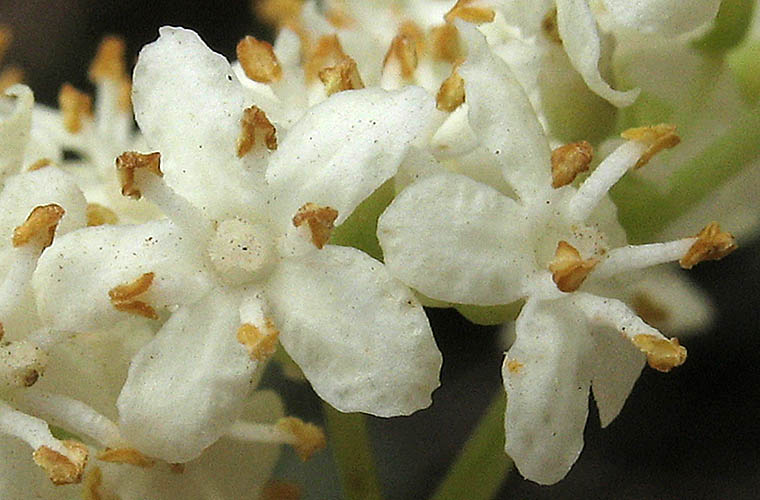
<point x="558" y="248"/>
<point x="237" y="262"/>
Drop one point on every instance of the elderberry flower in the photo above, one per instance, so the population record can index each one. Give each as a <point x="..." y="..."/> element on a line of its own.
<point x="556" y="247"/>
<point x="243" y="259"/>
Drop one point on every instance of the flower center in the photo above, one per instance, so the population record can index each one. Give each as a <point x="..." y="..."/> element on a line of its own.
<point x="240" y="251"/>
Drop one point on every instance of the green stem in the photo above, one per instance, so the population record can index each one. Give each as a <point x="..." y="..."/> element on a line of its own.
<point x="352" y="451"/>
<point x="730" y="28"/>
<point x="482" y="465"/>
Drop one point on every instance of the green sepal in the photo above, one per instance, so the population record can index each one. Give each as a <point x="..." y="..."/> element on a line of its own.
<point x="730" y="28"/>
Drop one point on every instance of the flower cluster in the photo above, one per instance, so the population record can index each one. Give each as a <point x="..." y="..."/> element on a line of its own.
<point x="147" y="284"/>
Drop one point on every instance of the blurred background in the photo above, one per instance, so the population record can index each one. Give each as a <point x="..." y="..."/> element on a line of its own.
<point x="690" y="434"/>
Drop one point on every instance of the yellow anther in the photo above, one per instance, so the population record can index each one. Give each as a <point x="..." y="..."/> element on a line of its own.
<point x="10" y="76"/>
<point x="258" y="60"/>
<point x="309" y="438"/>
<point x="342" y="76"/>
<point x="656" y="137"/>
<point x="39" y="164"/>
<point x="97" y="215"/>
<point x="662" y="354"/>
<point x="711" y="244"/>
<point x="326" y="52"/>
<point x="403" y="50"/>
<point x="568" y="269"/>
<point x="39" y="226"/>
<point x="278" y="12"/>
<point x="60" y="468"/>
<point x="321" y="221"/>
<point x="128" y="162"/>
<point x="339" y="19"/>
<point x="467" y="11"/>
<point x="261" y="343"/>
<point x="451" y="94"/>
<point x="109" y="63"/>
<point x="280" y="490"/>
<point x="445" y="43"/>
<point x="570" y="160"/>
<point x="129" y="456"/>
<point x="124" y="297"/>
<point x="255" y="129"/>
<point x="550" y="27"/>
<point x="75" y="107"/>
<point x="125" y="96"/>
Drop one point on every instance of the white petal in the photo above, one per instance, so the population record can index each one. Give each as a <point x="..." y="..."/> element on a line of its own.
<point x="345" y="148"/>
<point x="453" y="239"/>
<point x="547" y="381"/>
<point x="187" y="385"/>
<point x="666" y="17"/>
<point x="15" y="120"/>
<point x="360" y="336"/>
<point x="189" y="103"/>
<point x="580" y="37"/>
<point x="502" y="117"/>
<point x="524" y="14"/>
<point x="74" y="274"/>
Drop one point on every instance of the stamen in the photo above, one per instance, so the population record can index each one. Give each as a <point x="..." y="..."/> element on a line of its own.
<point x="75" y="107"/>
<point x="603" y="178"/>
<point x="21" y="364"/>
<point x="342" y="76"/>
<point x="451" y="94"/>
<point x="123" y="297"/>
<point x="633" y="257"/>
<point x="98" y="215"/>
<point x="320" y="220"/>
<point x="93" y="479"/>
<point x="278" y="12"/>
<point x="445" y="43"/>
<point x="39" y="164"/>
<point x="550" y="27"/>
<point x="39" y="227"/>
<point x="10" y="76"/>
<point x="326" y="52"/>
<point x="570" y="160"/>
<point x="403" y="51"/>
<point x="109" y="63"/>
<point x="280" y="490"/>
<point x="305" y="438"/>
<point x="711" y="244"/>
<point x="62" y="469"/>
<point x="258" y="60"/>
<point x="648" y="310"/>
<point x="256" y="129"/>
<point x="568" y="269"/>
<point x="129" y="456"/>
<point x="465" y="11"/>
<point x="23" y="261"/>
<point x="261" y="343"/>
<point x="656" y="138"/>
<point x="126" y="165"/>
<point x="662" y="354"/>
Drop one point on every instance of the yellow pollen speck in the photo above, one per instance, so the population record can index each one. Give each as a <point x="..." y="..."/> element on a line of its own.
<point x="280" y="490"/>
<point x="59" y="468"/>
<point x="177" y="468"/>
<point x="258" y="60"/>
<point x="39" y="226"/>
<point x="570" y="160"/>
<point x="656" y="137"/>
<point x="451" y="94"/>
<point x="261" y="343"/>
<point x="342" y="76"/>
<point x="550" y="28"/>
<point x="2" y="331"/>
<point x="255" y="129"/>
<point x="321" y="221"/>
<point x="128" y="162"/>
<point x="278" y="12"/>
<point x="339" y="19"/>
<point x="41" y="163"/>
<point x="97" y="215"/>
<point x="75" y="106"/>
<point x="6" y="38"/>
<point x="662" y="354"/>
<point x="445" y="43"/>
<point x="309" y="437"/>
<point x="128" y="456"/>
<point x="568" y="269"/>
<point x="403" y="49"/>
<point x="514" y="366"/>
<point x="326" y="52"/>
<point x="466" y="11"/>
<point x="711" y="244"/>
<point x="10" y="76"/>
<point x="109" y="62"/>
<point x="648" y="310"/>
<point x="123" y="297"/>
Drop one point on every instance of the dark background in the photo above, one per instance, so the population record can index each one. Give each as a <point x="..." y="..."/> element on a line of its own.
<point x="690" y="434"/>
